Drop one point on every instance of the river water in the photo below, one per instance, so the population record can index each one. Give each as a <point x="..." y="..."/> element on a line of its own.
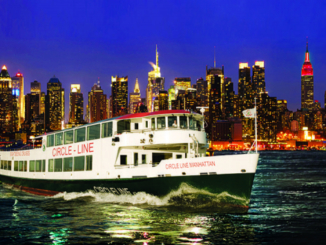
<point x="288" y="206"/>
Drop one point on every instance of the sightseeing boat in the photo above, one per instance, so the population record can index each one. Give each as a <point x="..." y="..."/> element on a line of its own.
<point x="156" y="153"/>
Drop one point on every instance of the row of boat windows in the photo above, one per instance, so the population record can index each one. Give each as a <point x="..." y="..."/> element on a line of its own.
<point x="81" y="134"/>
<point x="67" y="164"/>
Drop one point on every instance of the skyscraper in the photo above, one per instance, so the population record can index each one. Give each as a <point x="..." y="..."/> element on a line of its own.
<point x="215" y="100"/>
<point x="182" y="83"/>
<point x="229" y="96"/>
<point x="119" y="95"/>
<point x="211" y="78"/>
<point x="18" y="89"/>
<point x="76" y="106"/>
<point x="134" y="98"/>
<point x="201" y="94"/>
<point x="8" y="104"/>
<point x="163" y="100"/>
<point x="55" y="104"/>
<point x="307" y="83"/>
<point x="258" y="78"/>
<point x="96" y="103"/>
<point x="155" y="84"/>
<point x="36" y="89"/>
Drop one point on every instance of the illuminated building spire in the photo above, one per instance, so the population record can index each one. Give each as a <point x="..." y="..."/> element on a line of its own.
<point x="156" y="57"/>
<point x="136" y="90"/>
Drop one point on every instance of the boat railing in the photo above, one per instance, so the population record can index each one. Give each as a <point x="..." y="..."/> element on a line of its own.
<point x="140" y="165"/>
<point x="155" y="129"/>
<point x="24" y="148"/>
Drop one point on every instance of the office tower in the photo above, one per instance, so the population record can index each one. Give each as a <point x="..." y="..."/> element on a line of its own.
<point x="179" y="102"/>
<point x="258" y="78"/>
<point x="32" y="107"/>
<point x="201" y="94"/>
<point x="76" y="106"/>
<point x="87" y="114"/>
<point x="8" y="104"/>
<point x="110" y="107"/>
<point x="182" y="83"/>
<point x="134" y="98"/>
<point x="172" y="96"/>
<point x="281" y="108"/>
<point x="229" y="97"/>
<point x="119" y="95"/>
<point x="18" y="89"/>
<point x="191" y="99"/>
<point x="54" y="104"/>
<point x="236" y="107"/>
<point x="266" y="117"/>
<point x="155" y="84"/>
<point x="163" y="100"/>
<point x="215" y="100"/>
<point x="245" y="98"/>
<point x="307" y="83"/>
<point x="96" y="103"/>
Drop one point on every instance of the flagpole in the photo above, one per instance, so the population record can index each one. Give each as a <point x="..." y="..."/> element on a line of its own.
<point x="256" y="125"/>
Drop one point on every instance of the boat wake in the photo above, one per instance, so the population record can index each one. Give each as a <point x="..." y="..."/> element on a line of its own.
<point x="185" y="196"/>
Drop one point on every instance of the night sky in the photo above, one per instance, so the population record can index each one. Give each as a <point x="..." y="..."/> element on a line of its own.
<point x="79" y="41"/>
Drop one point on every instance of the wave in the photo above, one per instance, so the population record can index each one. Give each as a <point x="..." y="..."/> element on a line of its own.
<point x="184" y="196"/>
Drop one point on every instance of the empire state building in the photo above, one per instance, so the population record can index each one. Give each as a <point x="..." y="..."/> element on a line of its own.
<point x="307" y="83"/>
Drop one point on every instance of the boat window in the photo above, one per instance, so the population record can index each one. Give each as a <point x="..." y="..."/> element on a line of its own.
<point x="79" y="163"/>
<point x="153" y="123"/>
<point x="143" y="159"/>
<point x="159" y="156"/>
<point x="123" y="126"/>
<point x="172" y="122"/>
<point x="43" y="165"/>
<point x="50" y="165"/>
<point x="15" y="165"/>
<point x="93" y="132"/>
<point x="69" y="137"/>
<point x="1" y="164"/>
<point x="50" y="140"/>
<point x="25" y="166"/>
<point x="21" y="166"/>
<point x="58" y="165"/>
<point x="136" y="126"/>
<point x="9" y="165"/>
<point x="146" y="124"/>
<point x="89" y="162"/>
<point x="123" y="159"/>
<point x="58" y="139"/>
<point x="179" y="156"/>
<point x="80" y="135"/>
<point x="183" y="122"/>
<point x="192" y="123"/>
<point x="160" y="122"/>
<point x="5" y="165"/>
<point x="38" y="167"/>
<point x="135" y="158"/>
<point x="107" y="130"/>
<point x="31" y="166"/>
<point x="67" y="164"/>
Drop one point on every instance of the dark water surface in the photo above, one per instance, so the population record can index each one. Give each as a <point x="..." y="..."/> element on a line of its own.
<point x="288" y="206"/>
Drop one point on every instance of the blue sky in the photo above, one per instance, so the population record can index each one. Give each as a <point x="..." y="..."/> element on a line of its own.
<point x="79" y="41"/>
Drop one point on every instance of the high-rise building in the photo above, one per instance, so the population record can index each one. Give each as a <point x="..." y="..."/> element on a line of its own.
<point x="307" y="83"/>
<point x="155" y="84"/>
<point x="76" y="106"/>
<point x="245" y="98"/>
<point x="201" y="94"/>
<point x="163" y="100"/>
<point x="258" y="78"/>
<point x="55" y="105"/>
<point x="119" y="95"/>
<point x="210" y="78"/>
<point x="32" y="107"/>
<point x="172" y="96"/>
<point x="18" y="89"/>
<point x="229" y="97"/>
<point x="96" y="103"/>
<point x="8" y="104"/>
<point x="36" y="89"/>
<point x="215" y="101"/>
<point x="191" y="99"/>
<point x="134" y="98"/>
<point x="182" y="83"/>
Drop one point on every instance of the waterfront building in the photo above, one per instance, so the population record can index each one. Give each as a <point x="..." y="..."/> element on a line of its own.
<point x="163" y="100"/>
<point x="8" y="104"/>
<point x="119" y="93"/>
<point x="76" y="106"/>
<point x="307" y="83"/>
<point x="134" y="98"/>
<point x="155" y="84"/>
<point x="18" y="90"/>
<point x="54" y="104"/>
<point x="96" y="103"/>
<point x="258" y="78"/>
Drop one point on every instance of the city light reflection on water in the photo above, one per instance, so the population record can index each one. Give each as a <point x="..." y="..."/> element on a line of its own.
<point x="287" y="206"/>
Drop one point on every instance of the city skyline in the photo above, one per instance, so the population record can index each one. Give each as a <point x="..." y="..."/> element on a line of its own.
<point x="77" y="50"/>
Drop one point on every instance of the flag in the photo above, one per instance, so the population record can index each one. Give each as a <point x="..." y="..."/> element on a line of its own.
<point x="249" y="112"/>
